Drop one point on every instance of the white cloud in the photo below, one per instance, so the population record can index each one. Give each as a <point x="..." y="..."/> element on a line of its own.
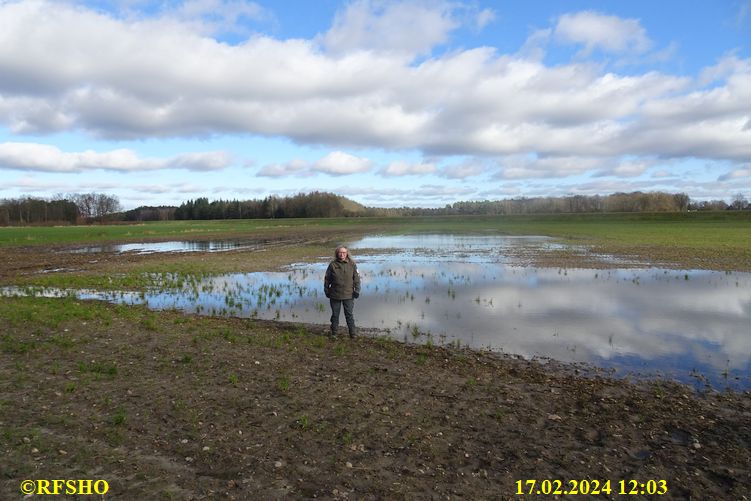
<point x="295" y="167"/>
<point x="743" y="14"/>
<point x="464" y="170"/>
<point x="630" y="169"/>
<point x="526" y="166"/>
<point x="32" y="184"/>
<point x="662" y="174"/>
<point x="338" y="163"/>
<point x="426" y="195"/>
<point x="158" y="189"/>
<point x="534" y="48"/>
<point x="484" y="18"/>
<point x="146" y="78"/>
<point x="404" y="28"/>
<point x="218" y="16"/>
<point x="599" y="31"/>
<point x="215" y="17"/>
<point x="47" y="158"/>
<point x="626" y="168"/>
<point x="739" y="173"/>
<point x="728" y="66"/>
<point x="403" y="168"/>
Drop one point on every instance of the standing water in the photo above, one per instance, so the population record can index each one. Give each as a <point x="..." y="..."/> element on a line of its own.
<point x="689" y="325"/>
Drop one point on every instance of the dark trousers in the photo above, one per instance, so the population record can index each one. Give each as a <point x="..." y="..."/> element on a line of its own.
<point x="336" y="307"/>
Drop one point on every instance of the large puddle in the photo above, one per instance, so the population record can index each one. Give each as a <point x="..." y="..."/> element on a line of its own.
<point x="689" y="325"/>
<point x="171" y="246"/>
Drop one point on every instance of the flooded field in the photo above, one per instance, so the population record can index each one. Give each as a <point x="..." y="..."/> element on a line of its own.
<point x="687" y="325"/>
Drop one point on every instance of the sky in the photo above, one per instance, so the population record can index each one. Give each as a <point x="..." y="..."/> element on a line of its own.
<point x="389" y="103"/>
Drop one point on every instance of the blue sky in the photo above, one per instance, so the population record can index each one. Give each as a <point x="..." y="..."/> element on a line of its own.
<point x="417" y="103"/>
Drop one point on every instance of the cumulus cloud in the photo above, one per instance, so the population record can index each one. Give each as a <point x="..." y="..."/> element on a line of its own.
<point x="625" y="168"/>
<point x="359" y="85"/>
<point x="294" y="167"/>
<point x="630" y="169"/>
<point x="210" y="17"/>
<point x="427" y="195"/>
<point x="484" y="18"/>
<point x="32" y="184"/>
<point x="739" y="173"/>
<point x="464" y="170"/>
<point x="338" y="163"/>
<point x="404" y="28"/>
<point x="595" y="31"/>
<point x="403" y="168"/>
<point x="532" y="166"/>
<point x="47" y="158"/>
<point x="218" y="16"/>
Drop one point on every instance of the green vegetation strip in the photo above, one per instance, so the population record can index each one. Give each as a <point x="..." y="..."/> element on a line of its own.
<point x="159" y="231"/>
<point x="694" y="228"/>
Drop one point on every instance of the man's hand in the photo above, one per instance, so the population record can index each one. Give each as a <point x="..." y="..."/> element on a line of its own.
<point x="355" y="295"/>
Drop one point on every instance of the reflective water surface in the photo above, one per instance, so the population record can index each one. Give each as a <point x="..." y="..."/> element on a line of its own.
<point x="689" y="325"/>
<point x="172" y="246"/>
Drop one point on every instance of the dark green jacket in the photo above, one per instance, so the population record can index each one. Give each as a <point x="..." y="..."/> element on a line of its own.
<point x="342" y="280"/>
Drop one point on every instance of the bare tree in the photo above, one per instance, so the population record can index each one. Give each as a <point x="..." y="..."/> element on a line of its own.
<point x="95" y="205"/>
<point x="739" y="202"/>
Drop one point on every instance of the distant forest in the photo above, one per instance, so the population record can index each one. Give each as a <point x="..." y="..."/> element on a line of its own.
<point x="97" y="207"/>
<point x="63" y="209"/>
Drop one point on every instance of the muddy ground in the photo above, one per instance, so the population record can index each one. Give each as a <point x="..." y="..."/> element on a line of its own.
<point x="174" y="406"/>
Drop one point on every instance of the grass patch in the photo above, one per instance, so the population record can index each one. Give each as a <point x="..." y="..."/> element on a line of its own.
<point x="282" y="383"/>
<point x="11" y="345"/>
<point x="303" y="422"/>
<point x="48" y="312"/>
<point x="118" y="418"/>
<point x="106" y="370"/>
<point x="149" y="322"/>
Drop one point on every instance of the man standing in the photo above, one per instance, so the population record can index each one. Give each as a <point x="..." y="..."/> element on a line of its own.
<point x="342" y="286"/>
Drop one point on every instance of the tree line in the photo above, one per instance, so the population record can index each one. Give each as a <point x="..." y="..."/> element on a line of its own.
<point x="315" y="204"/>
<point x="617" y="202"/>
<point x="98" y="207"/>
<point x="73" y="208"/>
<point x="318" y="204"/>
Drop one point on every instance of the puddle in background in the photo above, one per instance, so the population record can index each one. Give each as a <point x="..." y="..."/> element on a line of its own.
<point x="173" y="246"/>
<point x="430" y="248"/>
<point x="692" y="326"/>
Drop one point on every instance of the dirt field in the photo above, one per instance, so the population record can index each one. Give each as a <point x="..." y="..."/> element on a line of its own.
<point x="174" y="406"/>
<point x="170" y="406"/>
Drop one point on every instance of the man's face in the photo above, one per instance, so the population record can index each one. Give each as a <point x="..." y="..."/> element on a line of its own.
<point x="341" y="254"/>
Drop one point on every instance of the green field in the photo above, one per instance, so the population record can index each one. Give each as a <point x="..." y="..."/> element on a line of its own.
<point x="719" y="240"/>
<point x="696" y="228"/>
